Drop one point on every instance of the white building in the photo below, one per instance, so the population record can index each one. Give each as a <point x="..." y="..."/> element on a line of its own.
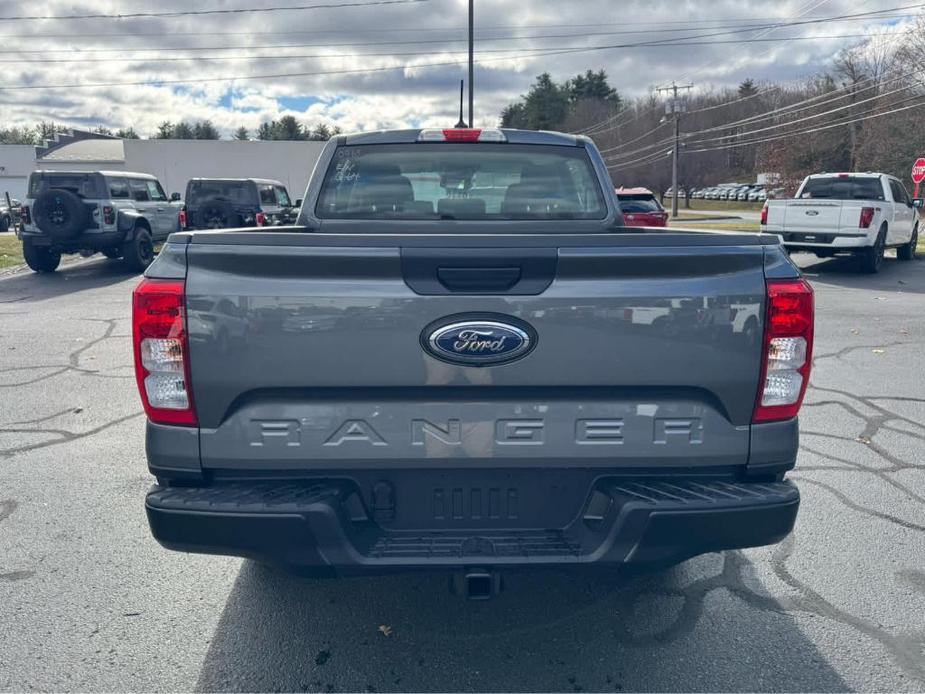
<point x="174" y="162"/>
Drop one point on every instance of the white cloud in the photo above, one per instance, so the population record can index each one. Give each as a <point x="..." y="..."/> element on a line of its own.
<point x="145" y="50"/>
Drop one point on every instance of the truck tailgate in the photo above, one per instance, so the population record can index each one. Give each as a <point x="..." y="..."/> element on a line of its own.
<point x="306" y="350"/>
<point x="808" y="216"/>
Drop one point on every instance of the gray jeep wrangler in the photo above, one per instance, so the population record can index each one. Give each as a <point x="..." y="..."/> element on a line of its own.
<point x="117" y="213"/>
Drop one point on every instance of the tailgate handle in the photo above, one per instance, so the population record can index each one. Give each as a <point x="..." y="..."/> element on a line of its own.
<point x="478" y="279"/>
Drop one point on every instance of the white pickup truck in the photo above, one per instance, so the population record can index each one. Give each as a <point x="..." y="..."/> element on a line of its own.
<point x="860" y="213"/>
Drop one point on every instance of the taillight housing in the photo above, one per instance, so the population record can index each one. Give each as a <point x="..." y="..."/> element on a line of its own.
<point x="764" y="214"/>
<point x="162" y="351"/>
<point x="109" y="215"/>
<point x="182" y="219"/>
<point x="788" y="350"/>
<point x="25" y="215"/>
<point x="867" y="216"/>
<point x="260" y="219"/>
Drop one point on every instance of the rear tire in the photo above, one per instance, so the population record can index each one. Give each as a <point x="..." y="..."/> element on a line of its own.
<point x="138" y="253"/>
<point x="4" y="223"/>
<point x="907" y="251"/>
<point x="872" y="258"/>
<point x="40" y="258"/>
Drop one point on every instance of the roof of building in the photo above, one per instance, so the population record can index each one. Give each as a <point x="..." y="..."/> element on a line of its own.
<point x="86" y="151"/>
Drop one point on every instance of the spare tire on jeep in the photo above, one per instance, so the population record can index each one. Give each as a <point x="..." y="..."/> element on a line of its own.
<point x="215" y="213"/>
<point x="60" y="213"/>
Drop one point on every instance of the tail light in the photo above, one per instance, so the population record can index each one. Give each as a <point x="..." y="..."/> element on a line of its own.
<point x="25" y="215"/>
<point x="162" y="351"/>
<point x="867" y="216"/>
<point x="788" y="350"/>
<point x="182" y="219"/>
<point x="109" y="215"/>
<point x="764" y="214"/>
<point x="260" y="219"/>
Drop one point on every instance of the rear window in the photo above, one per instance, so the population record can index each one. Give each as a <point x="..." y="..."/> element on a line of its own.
<point x="843" y="188"/>
<point x="460" y="181"/>
<point x="238" y="192"/>
<point x="84" y="185"/>
<point x="639" y="203"/>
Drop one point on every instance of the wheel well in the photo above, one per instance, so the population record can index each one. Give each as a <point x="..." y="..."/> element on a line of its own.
<point x="143" y="223"/>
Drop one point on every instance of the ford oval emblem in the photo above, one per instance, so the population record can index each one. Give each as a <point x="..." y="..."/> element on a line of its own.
<point x="478" y="342"/>
<point x="812" y="213"/>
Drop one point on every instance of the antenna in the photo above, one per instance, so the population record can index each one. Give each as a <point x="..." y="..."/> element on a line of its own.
<point x="462" y="122"/>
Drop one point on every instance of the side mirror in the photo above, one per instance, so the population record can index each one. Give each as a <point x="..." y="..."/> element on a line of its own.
<point x="174" y="197"/>
<point x="298" y="203"/>
<point x="918" y="203"/>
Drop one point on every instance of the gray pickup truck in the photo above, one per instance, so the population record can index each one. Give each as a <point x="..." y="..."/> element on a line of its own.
<point x="461" y="360"/>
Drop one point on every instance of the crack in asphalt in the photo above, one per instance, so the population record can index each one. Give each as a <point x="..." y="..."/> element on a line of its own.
<point x="694" y="594"/>
<point x="844" y="351"/>
<point x="858" y="507"/>
<point x="873" y="424"/>
<point x="906" y="649"/>
<point x="65" y="435"/>
<point x="73" y="358"/>
<point x="39" y="420"/>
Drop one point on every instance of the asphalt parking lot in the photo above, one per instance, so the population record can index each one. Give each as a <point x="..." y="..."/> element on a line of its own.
<point x="88" y="601"/>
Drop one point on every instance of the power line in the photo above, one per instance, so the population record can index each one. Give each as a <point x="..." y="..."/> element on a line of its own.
<point x="667" y="41"/>
<point x="190" y="13"/>
<point x="539" y="50"/>
<point x="873" y="113"/>
<point x="538" y="53"/>
<point x="636" y="139"/>
<point x="806" y="9"/>
<point x="868" y="115"/>
<point x="784" y="110"/>
<point x="558" y="51"/>
<point x="596" y="128"/>
<point x="720" y="24"/>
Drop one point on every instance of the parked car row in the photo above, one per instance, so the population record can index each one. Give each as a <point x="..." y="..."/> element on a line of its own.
<point x="123" y="214"/>
<point x="741" y="192"/>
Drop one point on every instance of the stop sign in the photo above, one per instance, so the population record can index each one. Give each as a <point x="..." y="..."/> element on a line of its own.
<point x="918" y="170"/>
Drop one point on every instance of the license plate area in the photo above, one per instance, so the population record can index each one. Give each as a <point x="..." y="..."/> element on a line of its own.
<point x="475" y="499"/>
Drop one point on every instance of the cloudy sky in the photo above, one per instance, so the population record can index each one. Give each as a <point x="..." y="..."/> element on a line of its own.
<point x="365" y="64"/>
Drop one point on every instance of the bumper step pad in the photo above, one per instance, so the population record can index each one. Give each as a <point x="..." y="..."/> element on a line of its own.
<point x="309" y="525"/>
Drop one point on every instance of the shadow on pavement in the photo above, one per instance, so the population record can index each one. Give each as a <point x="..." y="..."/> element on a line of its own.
<point x="894" y="275"/>
<point x="26" y="287"/>
<point x="698" y="627"/>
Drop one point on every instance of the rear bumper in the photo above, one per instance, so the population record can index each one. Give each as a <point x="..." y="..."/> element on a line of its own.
<point x="833" y="241"/>
<point x="323" y="528"/>
<point x="92" y="240"/>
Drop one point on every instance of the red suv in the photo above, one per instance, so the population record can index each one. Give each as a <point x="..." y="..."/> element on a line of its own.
<point x="641" y="208"/>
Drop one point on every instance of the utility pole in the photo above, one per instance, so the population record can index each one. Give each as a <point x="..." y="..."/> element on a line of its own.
<point x="675" y="107"/>
<point x="471" y="61"/>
